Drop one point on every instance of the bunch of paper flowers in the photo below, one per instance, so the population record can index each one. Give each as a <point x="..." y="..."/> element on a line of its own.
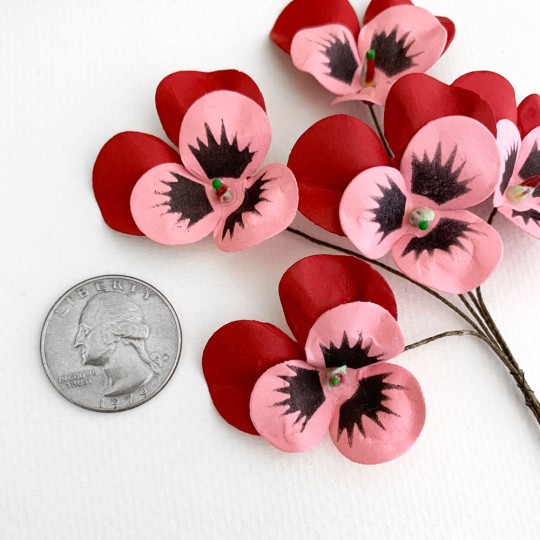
<point x="410" y="187"/>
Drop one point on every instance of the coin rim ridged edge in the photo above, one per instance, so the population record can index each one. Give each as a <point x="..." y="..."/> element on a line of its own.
<point x="165" y="382"/>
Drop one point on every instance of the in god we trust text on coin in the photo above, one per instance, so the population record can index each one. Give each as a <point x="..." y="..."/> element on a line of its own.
<point x="111" y="343"/>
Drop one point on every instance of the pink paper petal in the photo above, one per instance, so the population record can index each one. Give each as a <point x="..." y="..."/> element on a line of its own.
<point x="172" y="207"/>
<point x="328" y="53"/>
<point x="406" y="39"/>
<point x="526" y="218"/>
<point x="383" y="418"/>
<point x="377" y="6"/>
<point x="289" y="406"/>
<point x="372" y="210"/>
<point x="268" y="205"/>
<point x="529" y="114"/>
<point x="372" y="94"/>
<point x="456" y="254"/>
<point x="509" y="143"/>
<point x="224" y="135"/>
<point x="451" y="163"/>
<point x="354" y="335"/>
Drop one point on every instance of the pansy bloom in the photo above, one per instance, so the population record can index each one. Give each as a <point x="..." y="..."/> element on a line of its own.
<point x="419" y="212"/>
<point x="334" y="377"/>
<point x="324" y="164"/>
<point x="374" y="410"/>
<point x="214" y="184"/>
<point x="517" y="196"/>
<point x="361" y="64"/>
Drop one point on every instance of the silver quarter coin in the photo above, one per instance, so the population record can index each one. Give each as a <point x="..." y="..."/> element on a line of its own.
<point x="111" y="343"/>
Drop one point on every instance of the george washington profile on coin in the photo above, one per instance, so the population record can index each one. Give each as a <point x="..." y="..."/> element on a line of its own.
<point x="112" y="334"/>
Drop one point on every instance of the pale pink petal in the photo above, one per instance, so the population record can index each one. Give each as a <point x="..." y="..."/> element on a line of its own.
<point x="370" y="94"/>
<point x="172" y="207"/>
<point x="383" y="418"/>
<point x="224" y="135"/>
<point x="372" y="210"/>
<point x="267" y="206"/>
<point x="456" y="254"/>
<point x="289" y="406"/>
<point x="526" y="218"/>
<point x="452" y="163"/>
<point x="509" y="143"/>
<point x="328" y="53"/>
<point x="406" y="39"/>
<point x="354" y="335"/>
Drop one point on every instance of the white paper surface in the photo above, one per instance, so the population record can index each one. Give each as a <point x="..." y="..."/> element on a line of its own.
<point x="75" y="73"/>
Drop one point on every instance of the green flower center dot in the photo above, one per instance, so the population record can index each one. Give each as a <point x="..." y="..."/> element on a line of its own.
<point x="423" y="225"/>
<point x="334" y="381"/>
<point x="370" y="55"/>
<point x="216" y="183"/>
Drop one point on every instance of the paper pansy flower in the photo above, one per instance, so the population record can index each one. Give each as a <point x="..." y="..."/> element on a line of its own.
<point x="215" y="184"/>
<point x="419" y="211"/>
<point x="324" y="164"/>
<point x="361" y="64"/>
<point x="517" y="196"/>
<point x="238" y="354"/>
<point x="374" y="410"/>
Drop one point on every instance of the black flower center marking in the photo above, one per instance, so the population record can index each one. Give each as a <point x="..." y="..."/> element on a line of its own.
<point x="221" y="159"/>
<point x="305" y="394"/>
<point x="528" y="215"/>
<point x="353" y="356"/>
<point x="436" y="180"/>
<point x="390" y="210"/>
<point x="447" y="233"/>
<point x="367" y="401"/>
<point x="252" y="197"/>
<point x="531" y="167"/>
<point x="341" y="60"/>
<point x="392" y="54"/>
<point x="187" y="199"/>
<point x="509" y="164"/>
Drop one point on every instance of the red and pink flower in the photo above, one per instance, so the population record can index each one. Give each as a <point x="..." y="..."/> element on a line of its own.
<point x="343" y="315"/>
<point x="374" y="410"/>
<point x="419" y="212"/>
<point x="215" y="184"/>
<point x="361" y="64"/>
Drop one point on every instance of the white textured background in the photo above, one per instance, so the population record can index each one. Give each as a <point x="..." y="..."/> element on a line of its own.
<point x="73" y="74"/>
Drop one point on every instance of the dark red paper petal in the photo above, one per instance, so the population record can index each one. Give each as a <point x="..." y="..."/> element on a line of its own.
<point x="308" y="13"/>
<point x="120" y="163"/>
<point x="318" y="283"/>
<point x="377" y="6"/>
<point x="450" y="28"/>
<point x="326" y="158"/>
<point x="177" y="92"/>
<point x="528" y="114"/>
<point x="235" y="357"/>
<point x="417" y="99"/>
<point x="494" y="89"/>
